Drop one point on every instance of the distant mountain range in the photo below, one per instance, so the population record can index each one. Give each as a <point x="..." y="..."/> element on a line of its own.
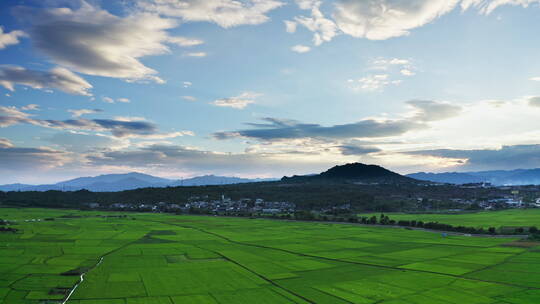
<point x="495" y="177"/>
<point x="354" y="172"/>
<point x="128" y="181"/>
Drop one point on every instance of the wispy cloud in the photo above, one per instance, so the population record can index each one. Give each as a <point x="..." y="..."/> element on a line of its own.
<point x="274" y="129"/>
<point x="183" y="41"/>
<point x="505" y="157"/>
<point x="383" y="72"/>
<point x="237" y="102"/>
<point x="280" y="129"/>
<point x="111" y="100"/>
<point x="56" y="78"/>
<point x="81" y="112"/>
<point x="300" y="48"/>
<point x="324" y="29"/>
<point x="30" y="107"/>
<point x="189" y="98"/>
<point x="196" y="54"/>
<point x="225" y="13"/>
<point x="117" y="127"/>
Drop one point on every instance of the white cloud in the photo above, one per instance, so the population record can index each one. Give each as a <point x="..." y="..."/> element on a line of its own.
<point x="382" y="63"/>
<point x="487" y="7"/>
<point x="237" y="102"/>
<point x="5" y="143"/>
<point x="187" y="84"/>
<point x="300" y="48"/>
<point x="383" y="19"/>
<point x="93" y="41"/>
<point x="81" y="112"/>
<point x="225" y="13"/>
<point x="388" y="69"/>
<point x="183" y="41"/>
<point x="307" y="4"/>
<point x="290" y="26"/>
<point x="11" y="38"/>
<point x="167" y="135"/>
<point x="535" y="78"/>
<point x="112" y="100"/>
<point x="406" y="72"/>
<point x="495" y="117"/>
<point x="107" y="99"/>
<point x="31" y="107"/>
<point x="130" y="118"/>
<point x="195" y="54"/>
<point x="324" y="29"/>
<point x="56" y="78"/>
<point x="13" y="112"/>
<point x="372" y="82"/>
<point x="189" y="98"/>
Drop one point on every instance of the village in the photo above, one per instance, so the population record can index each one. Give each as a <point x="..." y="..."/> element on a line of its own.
<point x="258" y="206"/>
<point x="203" y="205"/>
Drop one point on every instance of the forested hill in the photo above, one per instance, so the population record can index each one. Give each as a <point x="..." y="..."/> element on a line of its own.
<point x="354" y="172"/>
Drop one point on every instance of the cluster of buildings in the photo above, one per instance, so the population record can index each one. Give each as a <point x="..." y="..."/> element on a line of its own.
<point x="513" y="201"/>
<point x="198" y="204"/>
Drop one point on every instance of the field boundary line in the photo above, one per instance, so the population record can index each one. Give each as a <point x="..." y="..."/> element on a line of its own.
<point x="238" y="263"/>
<point x="101" y="258"/>
<point x="257" y="274"/>
<point x="344" y="261"/>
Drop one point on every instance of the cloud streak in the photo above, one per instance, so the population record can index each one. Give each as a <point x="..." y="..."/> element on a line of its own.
<point x="56" y="78"/>
<point x="225" y="13"/>
<point x="505" y="157"/>
<point x="17" y="158"/>
<point x="237" y="102"/>
<point x="81" y="112"/>
<point x="119" y="128"/>
<point x="275" y="129"/>
<point x="279" y="129"/>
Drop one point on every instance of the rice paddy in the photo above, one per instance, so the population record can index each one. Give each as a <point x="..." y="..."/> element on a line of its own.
<point x="482" y="219"/>
<point x="167" y="259"/>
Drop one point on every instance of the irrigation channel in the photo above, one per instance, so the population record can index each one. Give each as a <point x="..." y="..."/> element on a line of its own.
<point x="81" y="280"/>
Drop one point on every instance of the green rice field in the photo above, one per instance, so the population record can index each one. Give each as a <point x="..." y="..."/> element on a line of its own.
<point x="483" y="219"/>
<point x="171" y="259"/>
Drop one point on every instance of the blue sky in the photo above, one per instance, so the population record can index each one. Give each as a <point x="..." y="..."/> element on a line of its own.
<point x="266" y="88"/>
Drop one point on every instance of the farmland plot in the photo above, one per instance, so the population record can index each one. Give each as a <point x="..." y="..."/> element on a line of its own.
<point x="155" y="258"/>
